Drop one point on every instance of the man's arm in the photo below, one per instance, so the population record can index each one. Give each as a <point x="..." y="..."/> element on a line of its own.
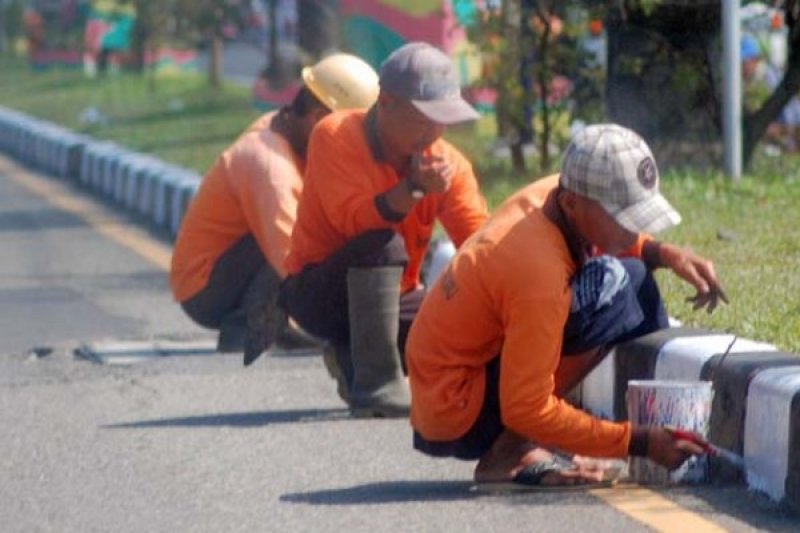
<point x="695" y="269"/>
<point x="427" y="174"/>
<point x="463" y="209"/>
<point x="528" y="364"/>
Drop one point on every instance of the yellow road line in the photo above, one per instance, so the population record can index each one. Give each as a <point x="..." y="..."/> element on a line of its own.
<point x="639" y="503"/>
<point x="100" y="218"/>
<point x="654" y="510"/>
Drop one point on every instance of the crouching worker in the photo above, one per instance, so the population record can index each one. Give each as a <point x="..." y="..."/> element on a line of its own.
<point x="528" y="306"/>
<point x="228" y="259"/>
<point x="376" y="182"/>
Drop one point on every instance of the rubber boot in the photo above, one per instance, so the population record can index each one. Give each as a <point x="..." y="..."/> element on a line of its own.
<point x="379" y="388"/>
<point x="232" y="332"/>
<point x="293" y="337"/>
<point x="339" y="365"/>
<point x="265" y="318"/>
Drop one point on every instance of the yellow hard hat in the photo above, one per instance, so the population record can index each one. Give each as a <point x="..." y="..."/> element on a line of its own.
<point x="342" y="81"/>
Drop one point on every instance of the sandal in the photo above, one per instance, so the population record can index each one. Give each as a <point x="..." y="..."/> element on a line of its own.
<point x="530" y="478"/>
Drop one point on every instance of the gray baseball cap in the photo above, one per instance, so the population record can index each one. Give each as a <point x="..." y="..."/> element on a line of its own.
<point x="424" y="75"/>
<point x="614" y="166"/>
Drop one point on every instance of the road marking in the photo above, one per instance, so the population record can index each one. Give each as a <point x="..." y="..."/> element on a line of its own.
<point x="99" y="218"/>
<point x="654" y="510"/>
<point x="641" y="504"/>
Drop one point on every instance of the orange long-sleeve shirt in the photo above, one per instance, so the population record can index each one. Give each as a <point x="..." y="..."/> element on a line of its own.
<point x="252" y="188"/>
<point x="341" y="181"/>
<point x="507" y="291"/>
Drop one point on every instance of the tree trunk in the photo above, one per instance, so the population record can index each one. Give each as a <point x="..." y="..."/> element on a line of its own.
<point x="544" y="88"/>
<point x="151" y="71"/>
<point x="756" y="123"/>
<point x="215" y="65"/>
<point x="318" y="27"/>
<point x="274" y="56"/>
<point x="140" y="45"/>
<point x="518" y="157"/>
<point x="511" y="13"/>
<point x="2" y="27"/>
<point x="659" y="80"/>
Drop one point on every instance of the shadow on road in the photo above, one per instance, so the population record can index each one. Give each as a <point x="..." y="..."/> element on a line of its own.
<point x="251" y="419"/>
<point x="387" y="492"/>
<point x="751" y="508"/>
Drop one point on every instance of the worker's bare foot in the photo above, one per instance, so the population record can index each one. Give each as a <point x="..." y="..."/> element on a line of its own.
<point x="512" y="457"/>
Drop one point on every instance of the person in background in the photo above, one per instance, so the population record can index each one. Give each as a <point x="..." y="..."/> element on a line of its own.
<point x="560" y="272"/>
<point x="376" y="183"/>
<point x="761" y="78"/>
<point x="228" y="258"/>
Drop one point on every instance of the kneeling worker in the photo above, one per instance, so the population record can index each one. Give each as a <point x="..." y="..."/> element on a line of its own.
<point x="532" y="302"/>
<point x="376" y="184"/>
<point x="228" y="259"/>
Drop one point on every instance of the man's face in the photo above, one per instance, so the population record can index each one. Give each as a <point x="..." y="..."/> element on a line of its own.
<point x="599" y="228"/>
<point x="405" y="128"/>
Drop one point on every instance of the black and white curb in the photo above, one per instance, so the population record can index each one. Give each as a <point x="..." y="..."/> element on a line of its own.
<point x="141" y="184"/>
<point x="756" y="407"/>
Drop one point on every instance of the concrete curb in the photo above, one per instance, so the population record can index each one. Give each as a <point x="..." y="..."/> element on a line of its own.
<point x="756" y="407"/>
<point x="139" y="183"/>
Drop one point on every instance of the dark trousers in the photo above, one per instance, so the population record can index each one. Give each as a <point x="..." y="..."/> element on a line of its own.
<point x="613" y="301"/>
<point x="317" y="296"/>
<point x="228" y="284"/>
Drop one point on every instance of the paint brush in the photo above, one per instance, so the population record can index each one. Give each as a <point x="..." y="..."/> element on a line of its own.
<point x="711" y="449"/>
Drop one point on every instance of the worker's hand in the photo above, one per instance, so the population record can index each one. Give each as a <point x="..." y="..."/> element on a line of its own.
<point x="696" y="270"/>
<point x="666" y="450"/>
<point x="431" y="173"/>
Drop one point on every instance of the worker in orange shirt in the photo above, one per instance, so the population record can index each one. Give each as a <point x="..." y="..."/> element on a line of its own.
<point x="532" y="302"/>
<point x="376" y="183"/>
<point x="228" y="258"/>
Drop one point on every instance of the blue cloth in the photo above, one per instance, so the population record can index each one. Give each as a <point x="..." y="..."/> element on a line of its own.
<point x="613" y="300"/>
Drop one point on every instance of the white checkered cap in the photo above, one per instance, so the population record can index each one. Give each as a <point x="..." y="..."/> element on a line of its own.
<point x="614" y="166"/>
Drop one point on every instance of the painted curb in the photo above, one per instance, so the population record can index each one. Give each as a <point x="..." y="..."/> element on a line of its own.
<point x="756" y="408"/>
<point x="143" y="185"/>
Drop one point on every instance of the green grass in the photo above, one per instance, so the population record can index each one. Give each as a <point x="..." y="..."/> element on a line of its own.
<point x="177" y="119"/>
<point x="751" y="229"/>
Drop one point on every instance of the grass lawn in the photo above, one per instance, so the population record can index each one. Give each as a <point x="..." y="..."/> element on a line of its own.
<point x="177" y="119"/>
<point x="751" y="229"/>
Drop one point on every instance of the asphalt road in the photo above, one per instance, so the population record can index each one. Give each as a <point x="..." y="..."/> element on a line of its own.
<point x="199" y="443"/>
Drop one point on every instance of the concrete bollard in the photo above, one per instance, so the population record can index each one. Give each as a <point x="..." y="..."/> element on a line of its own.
<point x="181" y="199"/>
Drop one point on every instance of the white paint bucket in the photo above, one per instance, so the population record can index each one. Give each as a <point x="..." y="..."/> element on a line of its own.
<point x="681" y="404"/>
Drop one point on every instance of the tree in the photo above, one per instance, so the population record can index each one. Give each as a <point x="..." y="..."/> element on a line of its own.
<point x="318" y="27"/>
<point x="496" y="32"/>
<point x="756" y="123"/>
<point x="153" y="20"/>
<point x="210" y="19"/>
<point x="664" y="77"/>
<point x="530" y="53"/>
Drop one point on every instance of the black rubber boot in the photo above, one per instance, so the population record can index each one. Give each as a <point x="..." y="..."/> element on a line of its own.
<point x="232" y="332"/>
<point x="293" y="337"/>
<point x="339" y="365"/>
<point x="379" y="388"/>
<point x="265" y="318"/>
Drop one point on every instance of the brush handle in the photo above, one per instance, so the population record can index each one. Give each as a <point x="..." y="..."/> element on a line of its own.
<point x="710" y="449"/>
<point x="682" y="434"/>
